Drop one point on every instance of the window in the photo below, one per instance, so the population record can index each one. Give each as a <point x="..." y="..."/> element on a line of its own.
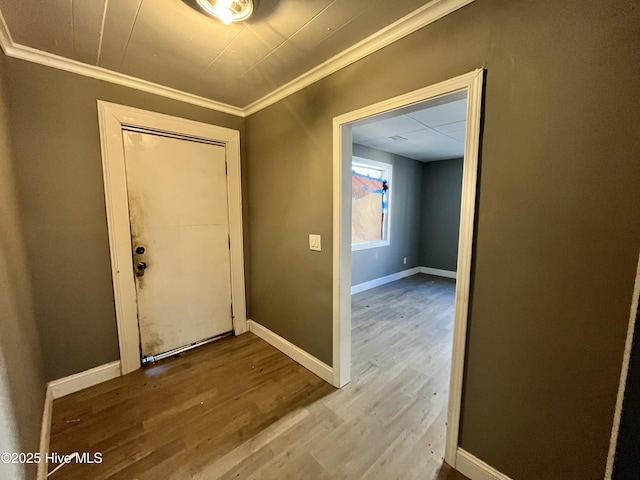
<point x="370" y="201"/>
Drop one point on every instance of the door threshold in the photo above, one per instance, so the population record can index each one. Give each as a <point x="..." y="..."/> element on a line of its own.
<point x="179" y="350"/>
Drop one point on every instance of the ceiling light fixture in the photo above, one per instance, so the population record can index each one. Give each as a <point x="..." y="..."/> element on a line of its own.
<point x="228" y="10"/>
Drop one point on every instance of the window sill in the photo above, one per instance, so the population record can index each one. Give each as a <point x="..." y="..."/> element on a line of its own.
<point x="367" y="245"/>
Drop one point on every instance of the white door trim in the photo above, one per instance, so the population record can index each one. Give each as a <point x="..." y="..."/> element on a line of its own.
<point x="472" y="83"/>
<point x="112" y="117"/>
<point x="624" y="373"/>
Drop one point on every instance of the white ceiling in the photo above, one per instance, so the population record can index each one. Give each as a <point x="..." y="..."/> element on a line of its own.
<point x="172" y="43"/>
<point x="429" y="131"/>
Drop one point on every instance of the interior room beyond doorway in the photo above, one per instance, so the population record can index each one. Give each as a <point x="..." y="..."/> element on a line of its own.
<point x="406" y="196"/>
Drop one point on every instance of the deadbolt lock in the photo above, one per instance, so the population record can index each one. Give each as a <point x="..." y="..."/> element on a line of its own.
<point x="140" y="268"/>
<point x="140" y="250"/>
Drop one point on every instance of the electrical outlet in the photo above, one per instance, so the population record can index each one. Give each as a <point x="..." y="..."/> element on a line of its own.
<point x="315" y="243"/>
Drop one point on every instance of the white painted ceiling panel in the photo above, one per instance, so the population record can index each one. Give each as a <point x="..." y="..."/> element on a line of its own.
<point x="117" y="31"/>
<point x="243" y="53"/>
<point x="285" y="18"/>
<point x="274" y="71"/>
<point x="162" y="51"/>
<point x="44" y="25"/>
<point x="375" y="18"/>
<point x="87" y="29"/>
<point x="330" y="20"/>
<point x="173" y="43"/>
<point x="285" y="21"/>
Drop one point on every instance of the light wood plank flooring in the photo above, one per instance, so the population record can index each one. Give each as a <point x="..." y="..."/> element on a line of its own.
<point x="239" y="409"/>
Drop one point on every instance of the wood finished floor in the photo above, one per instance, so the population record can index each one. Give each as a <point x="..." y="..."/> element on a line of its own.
<point x="239" y="409"/>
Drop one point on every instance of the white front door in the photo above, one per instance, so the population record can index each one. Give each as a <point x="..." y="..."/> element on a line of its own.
<point x="178" y="208"/>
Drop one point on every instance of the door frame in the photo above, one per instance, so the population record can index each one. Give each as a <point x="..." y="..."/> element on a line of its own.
<point x="112" y="117"/>
<point x="342" y="152"/>
<point x="624" y="376"/>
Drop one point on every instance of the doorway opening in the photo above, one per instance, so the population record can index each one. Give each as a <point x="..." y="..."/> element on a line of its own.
<point x="403" y="290"/>
<point x="465" y="89"/>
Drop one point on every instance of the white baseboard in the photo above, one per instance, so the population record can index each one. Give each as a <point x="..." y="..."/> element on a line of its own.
<point x="475" y="468"/>
<point x="88" y="378"/>
<point x="65" y="386"/>
<point x="376" y="282"/>
<point x="45" y="433"/>
<point x="438" y="272"/>
<point x="305" y="359"/>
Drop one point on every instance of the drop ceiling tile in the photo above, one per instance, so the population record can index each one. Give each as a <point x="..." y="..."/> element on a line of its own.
<point x="358" y="137"/>
<point x="429" y="137"/>
<point x="434" y="145"/>
<point x="377" y="143"/>
<point x="458" y="135"/>
<point x="400" y="125"/>
<point x="423" y="145"/>
<point x="442" y="114"/>
<point x="452" y="127"/>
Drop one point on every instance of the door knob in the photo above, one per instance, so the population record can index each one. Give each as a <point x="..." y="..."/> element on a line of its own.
<point x="140" y="268"/>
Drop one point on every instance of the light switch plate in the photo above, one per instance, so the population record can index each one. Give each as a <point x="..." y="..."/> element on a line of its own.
<point x="315" y="243"/>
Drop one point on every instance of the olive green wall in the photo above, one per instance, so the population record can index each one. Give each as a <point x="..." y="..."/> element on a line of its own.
<point x="557" y="226"/>
<point x="406" y="196"/>
<point x="22" y="385"/>
<point x="556" y="236"/>
<point x="54" y="125"/>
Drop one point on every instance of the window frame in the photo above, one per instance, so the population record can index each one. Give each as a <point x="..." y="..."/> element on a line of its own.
<point x="387" y="169"/>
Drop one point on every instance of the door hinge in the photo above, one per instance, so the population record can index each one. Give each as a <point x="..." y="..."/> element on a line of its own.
<point x="226" y="167"/>
<point x="232" y="311"/>
<point x="229" y="240"/>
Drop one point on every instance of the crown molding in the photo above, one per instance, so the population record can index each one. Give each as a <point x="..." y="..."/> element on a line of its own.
<point x="22" y="52"/>
<point x="408" y="24"/>
<point x="5" y="35"/>
<point x="417" y="19"/>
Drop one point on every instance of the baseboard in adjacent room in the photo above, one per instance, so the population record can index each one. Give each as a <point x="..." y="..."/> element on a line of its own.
<point x="438" y="272"/>
<point x="305" y="359"/>
<point x="376" y="282"/>
<point x="88" y="378"/>
<point x="476" y="469"/>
